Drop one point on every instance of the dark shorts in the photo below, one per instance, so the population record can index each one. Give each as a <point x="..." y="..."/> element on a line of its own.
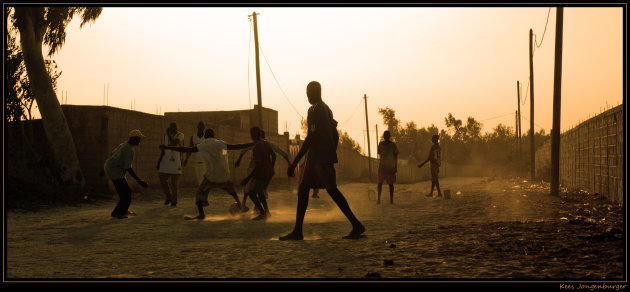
<point x="319" y="176"/>
<point x="206" y="186"/>
<point x="434" y="172"/>
<point x="258" y="186"/>
<point x="388" y="178"/>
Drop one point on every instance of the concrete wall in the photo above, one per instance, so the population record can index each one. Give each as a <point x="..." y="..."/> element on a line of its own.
<point x="592" y="155"/>
<point x="97" y="130"/>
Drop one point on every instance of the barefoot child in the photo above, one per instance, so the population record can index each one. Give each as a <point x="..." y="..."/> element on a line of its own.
<point x="435" y="158"/>
<point x="264" y="160"/>
<point x="387" y="166"/>
<point x="319" y="171"/>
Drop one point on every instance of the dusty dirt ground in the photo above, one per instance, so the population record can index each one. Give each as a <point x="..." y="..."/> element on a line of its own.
<point x="508" y="229"/>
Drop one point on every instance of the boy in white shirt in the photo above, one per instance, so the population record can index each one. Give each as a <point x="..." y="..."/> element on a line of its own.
<point x="217" y="175"/>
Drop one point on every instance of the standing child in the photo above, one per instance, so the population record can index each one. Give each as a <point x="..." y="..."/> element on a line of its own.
<point x="435" y="157"/>
<point x="170" y="165"/>
<point x="388" y="166"/>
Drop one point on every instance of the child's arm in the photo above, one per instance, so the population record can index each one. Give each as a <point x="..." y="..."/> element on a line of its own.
<point x="179" y="149"/>
<point x="238" y="161"/>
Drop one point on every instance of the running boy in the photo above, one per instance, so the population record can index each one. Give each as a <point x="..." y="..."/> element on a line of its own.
<point x="264" y="160"/>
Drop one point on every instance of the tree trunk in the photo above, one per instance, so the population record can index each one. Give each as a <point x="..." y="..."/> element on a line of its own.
<point x="56" y="128"/>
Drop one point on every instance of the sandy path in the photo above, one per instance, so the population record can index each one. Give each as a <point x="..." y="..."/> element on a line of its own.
<point x="486" y="231"/>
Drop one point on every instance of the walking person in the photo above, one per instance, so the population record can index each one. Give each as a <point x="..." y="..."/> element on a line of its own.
<point x="319" y="172"/>
<point x="435" y="157"/>
<point x="117" y="165"/>
<point x="301" y="176"/>
<point x="217" y="175"/>
<point x="388" y="166"/>
<point x="197" y="160"/>
<point x="264" y="159"/>
<point x="170" y="165"/>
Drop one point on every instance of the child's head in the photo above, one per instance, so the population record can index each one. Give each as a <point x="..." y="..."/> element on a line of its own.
<point x="255" y="133"/>
<point x="387" y="135"/>
<point x="435" y="138"/>
<point x="209" y="133"/>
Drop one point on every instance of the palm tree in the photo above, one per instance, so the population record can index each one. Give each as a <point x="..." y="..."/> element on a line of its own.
<point x="39" y="26"/>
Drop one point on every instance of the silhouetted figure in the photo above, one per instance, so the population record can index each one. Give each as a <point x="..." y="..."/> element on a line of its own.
<point x="319" y="171"/>
<point x="264" y="159"/>
<point x="388" y="166"/>
<point x="301" y="176"/>
<point x="251" y="165"/>
<point x="214" y="154"/>
<point x="435" y="157"/>
<point x="116" y="166"/>
<point x="197" y="160"/>
<point x="170" y="164"/>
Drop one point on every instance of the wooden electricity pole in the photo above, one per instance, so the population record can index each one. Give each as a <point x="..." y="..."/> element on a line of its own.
<point x="367" y="129"/>
<point x="258" y="90"/>
<point x="376" y="127"/>
<point x="518" y="124"/>
<point x="557" y="90"/>
<point x="532" y="147"/>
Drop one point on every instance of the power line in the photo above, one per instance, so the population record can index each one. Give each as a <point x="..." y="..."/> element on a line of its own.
<point x="526" y="93"/>
<point x="277" y="82"/>
<point x="544" y="31"/>
<point x="537" y="125"/>
<point x="501" y="116"/>
<point x="352" y="115"/>
<point x="536" y="45"/>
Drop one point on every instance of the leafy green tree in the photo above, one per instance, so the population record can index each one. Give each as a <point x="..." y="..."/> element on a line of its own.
<point x="39" y="26"/>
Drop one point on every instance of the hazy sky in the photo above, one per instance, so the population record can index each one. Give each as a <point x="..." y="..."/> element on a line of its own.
<point x="422" y="62"/>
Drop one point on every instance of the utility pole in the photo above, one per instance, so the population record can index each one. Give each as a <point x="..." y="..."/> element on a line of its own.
<point x="367" y="129"/>
<point x="376" y="127"/>
<point x="532" y="147"/>
<point x="518" y="124"/>
<point x="557" y="90"/>
<point x="258" y="90"/>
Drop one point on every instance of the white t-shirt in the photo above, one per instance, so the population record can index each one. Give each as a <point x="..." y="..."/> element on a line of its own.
<point x="171" y="162"/>
<point x="196" y="141"/>
<point x="215" y="156"/>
